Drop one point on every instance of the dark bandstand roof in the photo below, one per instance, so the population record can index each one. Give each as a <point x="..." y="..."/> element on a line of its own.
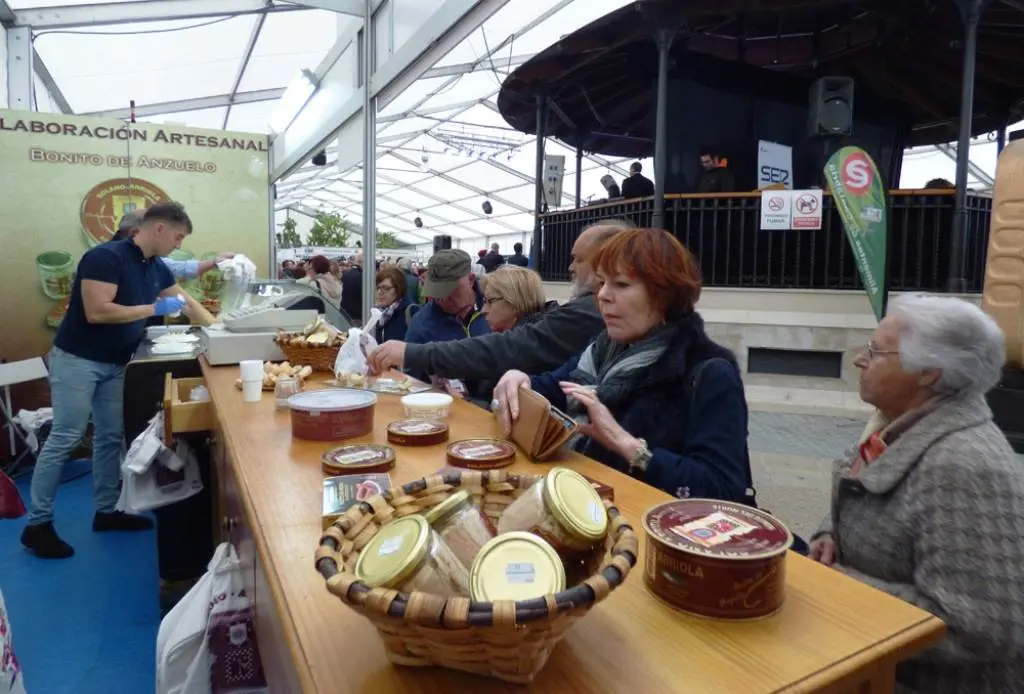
<point x="905" y="55"/>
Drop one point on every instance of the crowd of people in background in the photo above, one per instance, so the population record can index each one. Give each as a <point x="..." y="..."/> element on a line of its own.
<point x="340" y="280"/>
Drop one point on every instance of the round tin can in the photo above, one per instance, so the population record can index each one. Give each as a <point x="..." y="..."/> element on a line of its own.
<point x="332" y="414"/>
<point x="417" y="432"/>
<point x="516" y="566"/>
<point x="481" y="454"/>
<point x="357" y="458"/>
<point x="716" y="558"/>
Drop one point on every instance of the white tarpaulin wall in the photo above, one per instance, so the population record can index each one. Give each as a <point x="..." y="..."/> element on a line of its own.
<point x="442" y="148"/>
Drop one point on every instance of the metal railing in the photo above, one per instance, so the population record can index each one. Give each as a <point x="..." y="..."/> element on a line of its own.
<point x="723" y="232"/>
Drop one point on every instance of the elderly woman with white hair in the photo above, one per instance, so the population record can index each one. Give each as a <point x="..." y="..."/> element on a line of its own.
<point x="929" y="507"/>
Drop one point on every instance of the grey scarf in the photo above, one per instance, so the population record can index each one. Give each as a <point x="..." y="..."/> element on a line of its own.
<point x="615" y="370"/>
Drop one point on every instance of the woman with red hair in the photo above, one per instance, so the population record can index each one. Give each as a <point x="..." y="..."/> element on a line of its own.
<point x="655" y="397"/>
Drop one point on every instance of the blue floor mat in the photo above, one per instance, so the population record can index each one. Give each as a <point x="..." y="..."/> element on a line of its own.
<point x="88" y="624"/>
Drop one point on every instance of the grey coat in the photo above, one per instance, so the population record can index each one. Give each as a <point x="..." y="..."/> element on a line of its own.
<point x="938" y="521"/>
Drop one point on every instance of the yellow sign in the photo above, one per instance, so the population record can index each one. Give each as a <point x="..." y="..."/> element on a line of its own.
<point x="66" y="181"/>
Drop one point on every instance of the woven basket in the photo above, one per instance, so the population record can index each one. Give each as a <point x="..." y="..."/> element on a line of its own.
<point x="507" y="640"/>
<point x="320" y="358"/>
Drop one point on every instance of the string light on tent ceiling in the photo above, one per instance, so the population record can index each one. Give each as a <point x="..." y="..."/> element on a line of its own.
<point x="476" y="145"/>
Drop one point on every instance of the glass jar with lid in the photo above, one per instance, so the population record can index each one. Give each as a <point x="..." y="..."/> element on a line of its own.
<point x="516" y="566"/>
<point x="461" y="524"/>
<point x="407" y="555"/>
<point x="563" y="508"/>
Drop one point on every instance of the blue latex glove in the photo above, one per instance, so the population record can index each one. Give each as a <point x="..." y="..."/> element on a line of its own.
<point x="166" y="305"/>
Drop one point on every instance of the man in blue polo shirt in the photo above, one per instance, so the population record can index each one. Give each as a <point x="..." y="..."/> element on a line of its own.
<point x="181" y="269"/>
<point x="118" y="286"/>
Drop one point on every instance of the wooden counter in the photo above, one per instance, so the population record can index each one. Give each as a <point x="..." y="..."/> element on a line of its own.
<point x="833" y="635"/>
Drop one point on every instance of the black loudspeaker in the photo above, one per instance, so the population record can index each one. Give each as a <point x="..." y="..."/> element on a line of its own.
<point x="320" y="159"/>
<point x="442" y="242"/>
<point x="830" y="110"/>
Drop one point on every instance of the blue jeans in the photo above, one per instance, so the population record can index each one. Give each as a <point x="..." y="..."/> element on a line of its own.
<point x="78" y="388"/>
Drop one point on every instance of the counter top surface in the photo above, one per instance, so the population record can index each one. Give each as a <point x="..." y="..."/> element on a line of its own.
<point x="830" y="626"/>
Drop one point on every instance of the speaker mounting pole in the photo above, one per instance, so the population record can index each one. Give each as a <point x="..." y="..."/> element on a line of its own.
<point x="541" y="123"/>
<point x="971" y="11"/>
<point x="663" y="38"/>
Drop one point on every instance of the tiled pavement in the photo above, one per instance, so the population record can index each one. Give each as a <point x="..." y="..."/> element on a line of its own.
<point x="814" y="436"/>
<point x="791" y="457"/>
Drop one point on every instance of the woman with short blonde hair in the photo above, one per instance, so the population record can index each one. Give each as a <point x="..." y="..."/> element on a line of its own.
<point x="512" y="295"/>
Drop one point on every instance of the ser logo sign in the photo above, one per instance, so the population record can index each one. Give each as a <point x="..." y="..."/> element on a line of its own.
<point x="857" y="175"/>
<point x="774" y="175"/>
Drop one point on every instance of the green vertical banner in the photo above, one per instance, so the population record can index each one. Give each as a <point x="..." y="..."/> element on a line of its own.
<point x="859" y="196"/>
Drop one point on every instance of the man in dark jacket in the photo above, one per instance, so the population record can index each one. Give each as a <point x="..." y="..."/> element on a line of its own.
<point x="412" y="282"/>
<point x="535" y="348"/>
<point x="716" y="177"/>
<point x="518" y="259"/>
<point x="492" y="260"/>
<point x="352" y="290"/>
<point x="637" y="185"/>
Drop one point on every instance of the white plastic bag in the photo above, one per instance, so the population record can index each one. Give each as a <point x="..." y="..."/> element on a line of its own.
<point x="353" y="356"/>
<point x="238" y="270"/>
<point x="160" y="485"/>
<point x="181" y="640"/>
<point x="11" y="679"/>
<point x="30" y="422"/>
<point x="145" y="447"/>
<point x="207" y="642"/>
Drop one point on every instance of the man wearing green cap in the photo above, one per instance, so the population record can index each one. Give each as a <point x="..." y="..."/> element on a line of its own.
<point x="454" y="309"/>
<point x="540" y="346"/>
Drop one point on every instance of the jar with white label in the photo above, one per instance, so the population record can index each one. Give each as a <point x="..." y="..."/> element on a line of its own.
<point x="407" y="555"/>
<point x="516" y="566"/>
<point x="461" y="524"/>
<point x="563" y="508"/>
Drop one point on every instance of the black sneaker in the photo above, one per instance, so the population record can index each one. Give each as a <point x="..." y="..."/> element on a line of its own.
<point x="119" y="520"/>
<point x="42" y="539"/>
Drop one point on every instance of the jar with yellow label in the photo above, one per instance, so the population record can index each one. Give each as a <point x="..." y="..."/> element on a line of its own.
<point x="407" y="555"/>
<point x="461" y="525"/>
<point x="516" y="566"/>
<point x="563" y="508"/>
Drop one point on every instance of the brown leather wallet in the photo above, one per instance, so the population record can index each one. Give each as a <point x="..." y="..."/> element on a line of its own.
<point x="541" y="429"/>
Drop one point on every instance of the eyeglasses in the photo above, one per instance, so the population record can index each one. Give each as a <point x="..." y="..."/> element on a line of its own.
<point x="490" y="301"/>
<point x="875" y="352"/>
<point x="384" y="288"/>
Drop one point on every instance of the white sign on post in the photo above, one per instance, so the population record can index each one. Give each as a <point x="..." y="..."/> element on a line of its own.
<point x="776" y="210"/>
<point x="554" y="171"/>
<point x="806" y="206"/>
<point x="774" y="165"/>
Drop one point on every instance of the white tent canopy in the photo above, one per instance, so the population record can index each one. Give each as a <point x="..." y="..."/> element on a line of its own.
<point x="442" y="147"/>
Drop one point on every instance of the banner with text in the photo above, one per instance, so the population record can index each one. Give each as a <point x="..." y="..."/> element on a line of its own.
<point x="66" y="181"/>
<point x="774" y="165"/>
<point x="860" y="199"/>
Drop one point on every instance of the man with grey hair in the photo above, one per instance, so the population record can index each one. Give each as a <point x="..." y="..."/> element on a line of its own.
<point x="930" y="506"/>
<point x="561" y="333"/>
<point x="412" y="282"/>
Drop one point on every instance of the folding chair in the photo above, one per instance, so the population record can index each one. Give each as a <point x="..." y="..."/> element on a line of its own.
<point x="13" y="373"/>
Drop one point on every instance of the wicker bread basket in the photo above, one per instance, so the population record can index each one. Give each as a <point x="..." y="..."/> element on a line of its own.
<point x="507" y="640"/>
<point x="319" y="357"/>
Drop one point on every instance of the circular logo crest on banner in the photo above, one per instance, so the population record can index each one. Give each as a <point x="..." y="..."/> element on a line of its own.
<point x="857" y="174"/>
<point x="105" y="204"/>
